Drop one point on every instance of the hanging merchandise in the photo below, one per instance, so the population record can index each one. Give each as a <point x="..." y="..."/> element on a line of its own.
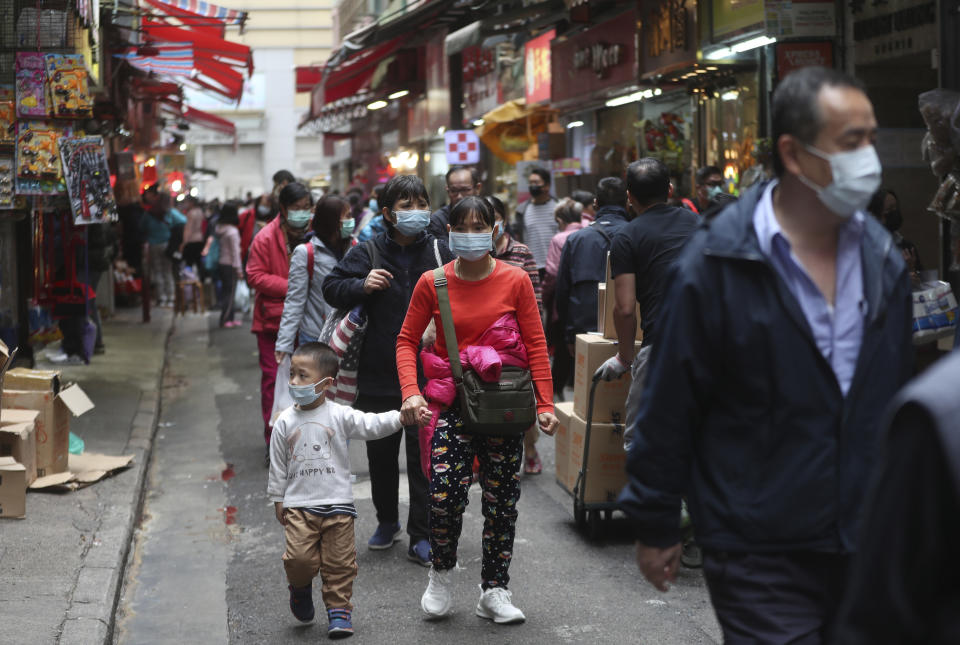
<point x="87" y="177"/>
<point x="67" y="79"/>
<point x="31" y="85"/>
<point x="8" y="115"/>
<point x="38" y="160"/>
<point x="6" y="182"/>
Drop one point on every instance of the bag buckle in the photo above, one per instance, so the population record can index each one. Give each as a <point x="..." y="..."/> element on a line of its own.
<point x="440" y="282"/>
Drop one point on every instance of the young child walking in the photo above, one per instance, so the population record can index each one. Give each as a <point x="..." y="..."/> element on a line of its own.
<point x="310" y="486"/>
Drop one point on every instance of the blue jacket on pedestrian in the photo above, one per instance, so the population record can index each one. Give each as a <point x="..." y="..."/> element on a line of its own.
<point x="343" y="289"/>
<point x="583" y="266"/>
<point x="743" y="415"/>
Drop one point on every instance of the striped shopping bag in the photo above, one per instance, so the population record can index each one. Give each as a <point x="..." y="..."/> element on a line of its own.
<point x="344" y="331"/>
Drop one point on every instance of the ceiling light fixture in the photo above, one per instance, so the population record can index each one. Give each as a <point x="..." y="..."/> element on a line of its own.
<point x="398" y="95"/>
<point x="574" y="124"/>
<point x="377" y="105"/>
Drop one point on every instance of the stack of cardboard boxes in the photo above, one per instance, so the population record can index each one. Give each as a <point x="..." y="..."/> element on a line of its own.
<point x="34" y="429"/>
<point x="604" y="473"/>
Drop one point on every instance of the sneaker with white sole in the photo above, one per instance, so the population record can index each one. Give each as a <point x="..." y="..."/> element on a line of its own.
<point x="436" y="601"/>
<point x="496" y="605"/>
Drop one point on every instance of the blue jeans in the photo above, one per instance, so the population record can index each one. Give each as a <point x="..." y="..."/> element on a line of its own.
<point x="303" y="338"/>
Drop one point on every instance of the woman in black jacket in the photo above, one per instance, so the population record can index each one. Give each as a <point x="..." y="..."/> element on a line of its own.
<point x="404" y="253"/>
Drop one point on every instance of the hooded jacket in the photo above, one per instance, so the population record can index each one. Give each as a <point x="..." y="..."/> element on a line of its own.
<point x="743" y="415"/>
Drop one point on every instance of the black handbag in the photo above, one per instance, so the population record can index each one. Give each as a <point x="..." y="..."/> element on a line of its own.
<point x="506" y="407"/>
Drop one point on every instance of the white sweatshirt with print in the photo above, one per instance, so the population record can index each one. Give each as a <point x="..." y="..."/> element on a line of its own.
<point x="309" y="459"/>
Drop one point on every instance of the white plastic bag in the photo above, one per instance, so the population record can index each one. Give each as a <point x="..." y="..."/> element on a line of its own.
<point x="241" y="297"/>
<point x="281" y="394"/>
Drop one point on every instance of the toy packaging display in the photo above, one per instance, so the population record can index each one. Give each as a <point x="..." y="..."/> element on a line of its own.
<point x="934" y="309"/>
<point x="6" y="181"/>
<point x="31" y="85"/>
<point x="38" y="159"/>
<point x="67" y="79"/>
<point x="88" y="180"/>
<point x="8" y="115"/>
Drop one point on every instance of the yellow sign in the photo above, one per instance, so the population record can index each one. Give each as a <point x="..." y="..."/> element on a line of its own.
<point x="731" y="17"/>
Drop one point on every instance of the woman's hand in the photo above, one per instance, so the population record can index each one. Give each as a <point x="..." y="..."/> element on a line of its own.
<point x="279" y="356"/>
<point x="377" y="280"/>
<point x="410" y="410"/>
<point x="548" y="423"/>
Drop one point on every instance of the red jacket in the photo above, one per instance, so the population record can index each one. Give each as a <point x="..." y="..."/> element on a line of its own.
<point x="247" y="221"/>
<point x="268" y="266"/>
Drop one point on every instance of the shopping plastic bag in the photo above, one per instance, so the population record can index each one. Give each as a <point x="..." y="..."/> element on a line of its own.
<point x="241" y="297"/>
<point x="281" y="394"/>
<point x="344" y="331"/>
<point x="934" y="309"/>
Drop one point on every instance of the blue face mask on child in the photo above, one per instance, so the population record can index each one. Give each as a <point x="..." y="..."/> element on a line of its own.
<point x="470" y="246"/>
<point x="307" y="394"/>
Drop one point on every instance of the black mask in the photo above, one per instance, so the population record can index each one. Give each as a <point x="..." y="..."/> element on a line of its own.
<point x="536" y="191"/>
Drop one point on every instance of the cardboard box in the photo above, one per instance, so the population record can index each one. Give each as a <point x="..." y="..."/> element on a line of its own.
<point x="13" y="488"/>
<point x="606" y="462"/>
<point x="6" y="360"/>
<point x="611" y="398"/>
<point x="53" y="423"/>
<point x="605" y="303"/>
<point x="23" y="378"/>
<point x="18" y="439"/>
<point x="561" y="440"/>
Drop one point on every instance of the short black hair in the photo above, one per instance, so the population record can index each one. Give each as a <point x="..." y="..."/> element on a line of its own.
<point x="611" y="192"/>
<point x="704" y="173"/>
<point x="322" y="355"/>
<point x="229" y="214"/>
<point x="498" y="206"/>
<point x="648" y="181"/>
<point x="585" y="197"/>
<point x="283" y="175"/>
<point x="293" y="193"/>
<point x="469" y="205"/>
<point x="796" y="105"/>
<point x="541" y="173"/>
<point x="402" y="187"/>
<point x="474" y="175"/>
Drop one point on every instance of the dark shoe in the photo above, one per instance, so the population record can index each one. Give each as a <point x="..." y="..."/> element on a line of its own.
<point x="341" y="625"/>
<point x="419" y="552"/>
<point x="691" y="557"/>
<point x="384" y="537"/>
<point x="301" y="603"/>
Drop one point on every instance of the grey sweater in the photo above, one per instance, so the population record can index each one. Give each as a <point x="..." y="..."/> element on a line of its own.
<point x="303" y="311"/>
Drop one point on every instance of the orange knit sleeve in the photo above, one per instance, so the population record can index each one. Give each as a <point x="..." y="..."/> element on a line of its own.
<point x="419" y="312"/>
<point x="531" y="330"/>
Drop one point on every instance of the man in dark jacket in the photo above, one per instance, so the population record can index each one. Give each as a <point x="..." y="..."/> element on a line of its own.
<point x="905" y="584"/>
<point x="462" y="181"/>
<point x="385" y="289"/>
<point x="583" y="263"/>
<point x="785" y="332"/>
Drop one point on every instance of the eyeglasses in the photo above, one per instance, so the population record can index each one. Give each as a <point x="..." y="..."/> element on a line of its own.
<point x="459" y="190"/>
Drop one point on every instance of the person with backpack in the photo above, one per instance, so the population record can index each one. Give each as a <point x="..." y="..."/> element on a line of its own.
<point x="583" y="261"/>
<point x="383" y="284"/>
<point x="228" y="263"/>
<point x="304" y="309"/>
<point x="163" y="230"/>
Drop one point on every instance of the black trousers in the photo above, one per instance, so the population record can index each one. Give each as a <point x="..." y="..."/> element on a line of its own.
<point x="228" y="280"/>
<point x="776" y="599"/>
<point x="383" y="457"/>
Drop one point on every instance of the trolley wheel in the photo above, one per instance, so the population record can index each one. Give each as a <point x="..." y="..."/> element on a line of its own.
<point x="608" y="515"/>
<point x="593" y="520"/>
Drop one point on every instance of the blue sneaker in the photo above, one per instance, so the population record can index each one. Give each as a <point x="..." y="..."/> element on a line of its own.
<point x="340" y="624"/>
<point x="301" y="603"/>
<point x="419" y="552"/>
<point x="384" y="537"/>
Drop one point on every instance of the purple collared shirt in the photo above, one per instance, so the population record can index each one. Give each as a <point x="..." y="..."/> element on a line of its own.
<point x="837" y="330"/>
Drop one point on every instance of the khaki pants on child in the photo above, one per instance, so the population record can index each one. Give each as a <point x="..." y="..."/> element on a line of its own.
<point x="325" y="545"/>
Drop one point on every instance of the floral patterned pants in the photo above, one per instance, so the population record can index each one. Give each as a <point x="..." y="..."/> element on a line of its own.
<point x="451" y="473"/>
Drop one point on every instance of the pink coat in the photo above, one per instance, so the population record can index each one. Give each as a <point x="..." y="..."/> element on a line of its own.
<point x="501" y="345"/>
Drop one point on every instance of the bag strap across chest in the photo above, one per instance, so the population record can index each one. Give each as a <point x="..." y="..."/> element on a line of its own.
<point x="446" y="317"/>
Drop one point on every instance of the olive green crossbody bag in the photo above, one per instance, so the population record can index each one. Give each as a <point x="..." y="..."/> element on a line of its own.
<point x="501" y="408"/>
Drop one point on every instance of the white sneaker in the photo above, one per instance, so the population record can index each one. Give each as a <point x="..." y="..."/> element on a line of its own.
<point x="436" y="601"/>
<point x="495" y="605"/>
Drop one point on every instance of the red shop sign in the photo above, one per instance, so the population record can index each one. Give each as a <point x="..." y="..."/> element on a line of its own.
<point x="536" y="56"/>
<point x="596" y="60"/>
<point x="791" y="56"/>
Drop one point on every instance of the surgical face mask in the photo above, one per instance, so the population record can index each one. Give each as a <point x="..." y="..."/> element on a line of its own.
<point x="411" y="222"/>
<point x="347" y="226"/>
<point x="856" y="177"/>
<point x="470" y="246"/>
<point x="498" y="230"/>
<point x="299" y="219"/>
<point x="713" y="191"/>
<point x="263" y="211"/>
<point x="306" y="394"/>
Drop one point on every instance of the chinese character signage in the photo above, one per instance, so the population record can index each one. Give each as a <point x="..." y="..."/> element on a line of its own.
<point x="537" y="58"/>
<point x="668" y="39"/>
<point x="595" y="63"/>
<point x="462" y="146"/>
<point x="791" y="56"/>
<point x="801" y="18"/>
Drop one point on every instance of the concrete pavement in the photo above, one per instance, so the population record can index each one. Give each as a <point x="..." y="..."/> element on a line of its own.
<point x="60" y="568"/>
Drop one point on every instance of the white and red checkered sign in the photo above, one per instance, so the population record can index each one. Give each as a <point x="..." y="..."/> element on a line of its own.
<point x="463" y="147"/>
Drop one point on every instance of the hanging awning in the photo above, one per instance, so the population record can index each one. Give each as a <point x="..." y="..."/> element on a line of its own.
<point x="308" y="77"/>
<point x="511" y="130"/>
<point x="199" y="14"/>
<point x="204" y="45"/>
<point x="170" y="59"/>
<point x="352" y="75"/>
<point x="177" y="109"/>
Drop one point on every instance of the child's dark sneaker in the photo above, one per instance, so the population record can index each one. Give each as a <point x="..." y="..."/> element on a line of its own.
<point x="341" y="625"/>
<point x="301" y="603"/>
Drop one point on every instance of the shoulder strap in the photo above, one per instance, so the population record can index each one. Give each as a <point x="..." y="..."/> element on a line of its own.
<point x="601" y="231"/>
<point x="436" y="252"/>
<point x="373" y="254"/>
<point x="310" y="252"/>
<point x="446" y="317"/>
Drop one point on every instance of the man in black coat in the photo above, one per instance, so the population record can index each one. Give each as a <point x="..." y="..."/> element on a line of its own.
<point x="785" y="332"/>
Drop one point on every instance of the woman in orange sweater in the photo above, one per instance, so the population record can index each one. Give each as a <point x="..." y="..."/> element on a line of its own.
<point x="481" y="290"/>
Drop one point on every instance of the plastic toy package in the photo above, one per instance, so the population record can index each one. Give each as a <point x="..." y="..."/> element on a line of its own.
<point x="6" y="182"/>
<point x="67" y="79"/>
<point x="88" y="179"/>
<point x="8" y="115"/>
<point x="31" y="85"/>
<point x="38" y="166"/>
